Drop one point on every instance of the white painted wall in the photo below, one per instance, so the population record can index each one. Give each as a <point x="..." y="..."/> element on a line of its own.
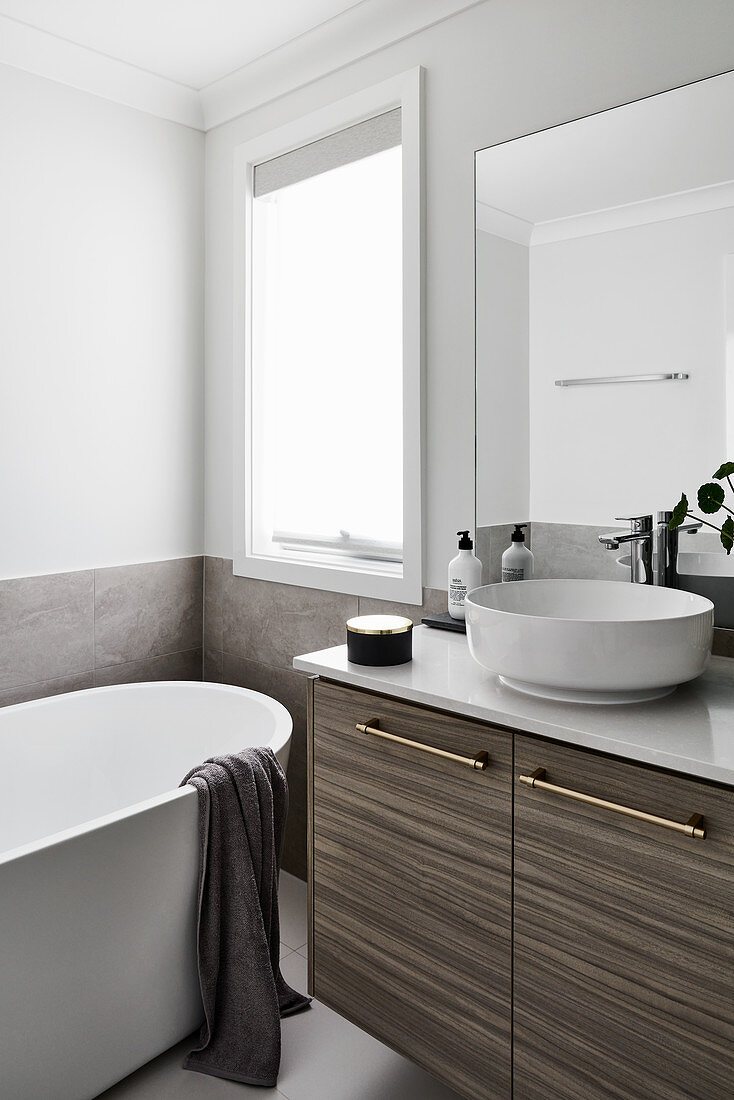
<point x="635" y="301"/>
<point x="101" y="331"/>
<point x="501" y="69"/>
<point x="503" y="380"/>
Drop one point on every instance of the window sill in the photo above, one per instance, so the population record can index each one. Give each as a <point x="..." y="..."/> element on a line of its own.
<point x="369" y="580"/>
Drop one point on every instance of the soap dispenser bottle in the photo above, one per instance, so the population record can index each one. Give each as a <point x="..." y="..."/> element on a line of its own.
<point x="465" y="573"/>
<point x="517" y="560"/>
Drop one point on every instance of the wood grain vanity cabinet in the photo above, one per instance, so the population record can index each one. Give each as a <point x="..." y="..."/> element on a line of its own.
<point x="411" y="874"/>
<point x="623" y="934"/>
<point x="571" y="952"/>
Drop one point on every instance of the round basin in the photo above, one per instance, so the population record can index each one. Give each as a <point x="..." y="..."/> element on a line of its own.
<point x="589" y="641"/>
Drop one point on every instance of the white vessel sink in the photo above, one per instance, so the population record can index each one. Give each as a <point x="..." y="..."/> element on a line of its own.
<point x="589" y="641"/>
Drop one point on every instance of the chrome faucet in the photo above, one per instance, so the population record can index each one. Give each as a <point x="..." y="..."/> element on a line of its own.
<point x="640" y="538"/>
<point x="666" y="563"/>
<point x="653" y="550"/>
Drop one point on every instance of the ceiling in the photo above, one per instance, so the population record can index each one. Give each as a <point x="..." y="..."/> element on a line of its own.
<point x="192" y="42"/>
<point x="203" y="62"/>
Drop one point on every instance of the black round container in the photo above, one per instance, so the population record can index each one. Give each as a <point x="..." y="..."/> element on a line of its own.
<point x="379" y="640"/>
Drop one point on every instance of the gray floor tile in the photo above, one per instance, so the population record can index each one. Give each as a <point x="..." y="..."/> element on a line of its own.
<point x="164" y="1079"/>
<point x="324" y="1058"/>
<point x="327" y="1058"/>
<point x="292" y="897"/>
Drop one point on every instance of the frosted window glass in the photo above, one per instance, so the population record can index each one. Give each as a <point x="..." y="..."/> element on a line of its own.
<point x="327" y="338"/>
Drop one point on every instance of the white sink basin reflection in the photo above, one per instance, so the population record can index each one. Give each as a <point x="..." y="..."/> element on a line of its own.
<point x="589" y="641"/>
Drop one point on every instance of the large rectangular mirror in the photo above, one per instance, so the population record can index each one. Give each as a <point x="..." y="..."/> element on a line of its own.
<point x="605" y="313"/>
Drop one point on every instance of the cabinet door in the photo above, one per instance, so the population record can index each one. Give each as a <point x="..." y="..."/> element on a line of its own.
<point x="412" y="885"/>
<point x="624" y="934"/>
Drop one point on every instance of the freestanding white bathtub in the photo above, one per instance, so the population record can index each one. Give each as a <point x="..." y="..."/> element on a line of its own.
<point x="99" y="865"/>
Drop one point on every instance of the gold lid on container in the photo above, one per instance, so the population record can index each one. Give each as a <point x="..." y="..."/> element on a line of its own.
<point x="379" y="624"/>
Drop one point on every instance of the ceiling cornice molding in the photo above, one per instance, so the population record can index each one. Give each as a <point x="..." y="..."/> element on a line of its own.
<point x="356" y="33"/>
<point x="46" y="55"/>
<point x="682" y="204"/>
<point x="501" y="224"/>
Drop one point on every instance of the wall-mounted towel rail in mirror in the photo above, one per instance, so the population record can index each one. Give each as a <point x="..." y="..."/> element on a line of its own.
<point x="621" y="378"/>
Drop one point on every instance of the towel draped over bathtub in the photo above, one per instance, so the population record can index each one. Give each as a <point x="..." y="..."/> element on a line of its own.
<point x="243" y="804"/>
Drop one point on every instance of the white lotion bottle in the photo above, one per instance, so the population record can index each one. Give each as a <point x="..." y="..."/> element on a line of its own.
<point x="517" y="560"/>
<point x="465" y="573"/>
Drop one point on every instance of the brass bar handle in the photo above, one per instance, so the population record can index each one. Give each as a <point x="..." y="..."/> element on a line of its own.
<point x="694" y="827"/>
<point x="478" y="762"/>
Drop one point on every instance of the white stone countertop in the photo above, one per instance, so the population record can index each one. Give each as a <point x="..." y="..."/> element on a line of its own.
<point x="690" y="731"/>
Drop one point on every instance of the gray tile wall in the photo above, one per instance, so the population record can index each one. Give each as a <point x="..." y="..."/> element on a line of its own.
<point x="69" y="631"/>
<point x="252" y="631"/>
<point x="560" y="550"/>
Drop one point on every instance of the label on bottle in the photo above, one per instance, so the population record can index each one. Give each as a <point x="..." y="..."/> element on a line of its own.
<point x="457" y="592"/>
<point x="512" y="574"/>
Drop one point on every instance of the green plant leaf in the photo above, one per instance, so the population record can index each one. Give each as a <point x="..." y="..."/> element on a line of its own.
<point x="710" y="497"/>
<point x="727" y="534"/>
<point x="725" y="470"/>
<point x="679" y="512"/>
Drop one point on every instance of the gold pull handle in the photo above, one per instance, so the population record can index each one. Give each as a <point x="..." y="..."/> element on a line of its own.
<point x="694" y="827"/>
<point x="478" y="762"/>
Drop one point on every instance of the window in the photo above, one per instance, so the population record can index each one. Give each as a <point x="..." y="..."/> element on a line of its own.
<point x="327" y="359"/>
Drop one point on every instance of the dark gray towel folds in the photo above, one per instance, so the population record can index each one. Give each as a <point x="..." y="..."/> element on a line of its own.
<point x="243" y="803"/>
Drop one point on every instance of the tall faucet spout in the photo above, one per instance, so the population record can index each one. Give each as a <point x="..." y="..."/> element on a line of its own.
<point x="640" y="538"/>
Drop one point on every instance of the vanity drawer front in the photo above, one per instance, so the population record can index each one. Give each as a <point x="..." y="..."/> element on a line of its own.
<point x="623" y="935"/>
<point x="412" y="885"/>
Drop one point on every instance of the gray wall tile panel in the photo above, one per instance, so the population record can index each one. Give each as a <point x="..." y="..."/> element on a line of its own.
<point x="171" y="666"/>
<point x="213" y="665"/>
<point x="147" y="610"/>
<point x="435" y="602"/>
<point x="272" y="623"/>
<point x="46" y="627"/>
<point x="568" y="550"/>
<point x="45" y="688"/>
<point x="213" y="601"/>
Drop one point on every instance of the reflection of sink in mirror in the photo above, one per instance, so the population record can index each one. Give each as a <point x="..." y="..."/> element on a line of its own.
<point x="710" y="574"/>
<point x="589" y="641"/>
<point x="706" y="564"/>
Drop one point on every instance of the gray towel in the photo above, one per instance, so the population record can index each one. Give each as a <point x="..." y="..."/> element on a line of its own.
<point x="243" y="804"/>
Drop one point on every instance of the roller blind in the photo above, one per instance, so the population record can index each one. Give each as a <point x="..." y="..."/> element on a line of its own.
<point x="344" y="147"/>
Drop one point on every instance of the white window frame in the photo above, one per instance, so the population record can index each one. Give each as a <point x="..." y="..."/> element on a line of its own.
<point x="402" y="91"/>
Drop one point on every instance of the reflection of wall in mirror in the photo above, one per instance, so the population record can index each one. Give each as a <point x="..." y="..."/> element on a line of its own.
<point x="503" y="453"/>
<point x="643" y="299"/>
<point x="639" y="300"/>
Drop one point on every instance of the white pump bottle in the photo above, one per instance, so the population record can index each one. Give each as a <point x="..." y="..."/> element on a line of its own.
<point x="517" y="560"/>
<point x="465" y="573"/>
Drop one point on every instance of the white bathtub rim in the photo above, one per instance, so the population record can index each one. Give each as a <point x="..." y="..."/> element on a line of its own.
<point x="279" y="740"/>
<point x="65" y="835"/>
<point x="201" y="685"/>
